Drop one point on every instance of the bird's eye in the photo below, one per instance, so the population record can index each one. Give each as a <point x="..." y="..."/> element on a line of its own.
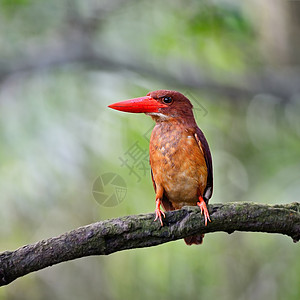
<point x="167" y="100"/>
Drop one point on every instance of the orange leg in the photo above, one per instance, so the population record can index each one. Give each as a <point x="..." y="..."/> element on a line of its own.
<point x="159" y="212"/>
<point x="203" y="209"/>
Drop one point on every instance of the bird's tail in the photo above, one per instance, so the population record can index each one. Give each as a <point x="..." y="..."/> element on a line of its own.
<point x="194" y="239"/>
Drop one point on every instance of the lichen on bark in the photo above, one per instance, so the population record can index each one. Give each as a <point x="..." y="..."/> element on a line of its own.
<point x="106" y="237"/>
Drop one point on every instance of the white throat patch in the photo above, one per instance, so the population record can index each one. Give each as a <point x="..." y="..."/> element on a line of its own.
<point x="159" y="115"/>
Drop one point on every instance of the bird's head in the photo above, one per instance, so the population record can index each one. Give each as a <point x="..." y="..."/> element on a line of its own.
<point x="161" y="105"/>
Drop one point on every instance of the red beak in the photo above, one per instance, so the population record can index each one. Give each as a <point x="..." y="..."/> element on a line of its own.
<point x="138" y="105"/>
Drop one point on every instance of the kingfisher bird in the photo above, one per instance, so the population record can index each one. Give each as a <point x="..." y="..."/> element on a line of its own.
<point x="180" y="158"/>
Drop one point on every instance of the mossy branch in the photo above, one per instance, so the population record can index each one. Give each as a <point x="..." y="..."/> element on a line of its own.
<point x="106" y="237"/>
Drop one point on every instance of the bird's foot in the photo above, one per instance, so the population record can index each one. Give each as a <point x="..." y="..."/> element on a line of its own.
<point x="201" y="203"/>
<point x="159" y="212"/>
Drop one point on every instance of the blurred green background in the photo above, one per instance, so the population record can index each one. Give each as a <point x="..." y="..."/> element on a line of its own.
<point x="62" y="62"/>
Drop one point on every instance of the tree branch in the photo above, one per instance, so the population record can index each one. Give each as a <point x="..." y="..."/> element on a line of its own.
<point x="106" y="237"/>
<point x="79" y="50"/>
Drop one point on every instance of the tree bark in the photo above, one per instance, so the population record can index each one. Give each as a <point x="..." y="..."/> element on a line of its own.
<point x="109" y="236"/>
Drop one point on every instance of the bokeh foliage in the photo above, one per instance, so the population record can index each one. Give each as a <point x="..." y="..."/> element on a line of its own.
<point x="63" y="62"/>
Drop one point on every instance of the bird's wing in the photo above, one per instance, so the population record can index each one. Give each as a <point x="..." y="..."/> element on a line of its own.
<point x="202" y="142"/>
<point x="167" y="205"/>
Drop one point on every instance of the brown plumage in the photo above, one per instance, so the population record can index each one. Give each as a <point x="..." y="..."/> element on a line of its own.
<point x="180" y="159"/>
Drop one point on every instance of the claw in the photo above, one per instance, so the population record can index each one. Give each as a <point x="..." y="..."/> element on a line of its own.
<point x="159" y="213"/>
<point x="203" y="209"/>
